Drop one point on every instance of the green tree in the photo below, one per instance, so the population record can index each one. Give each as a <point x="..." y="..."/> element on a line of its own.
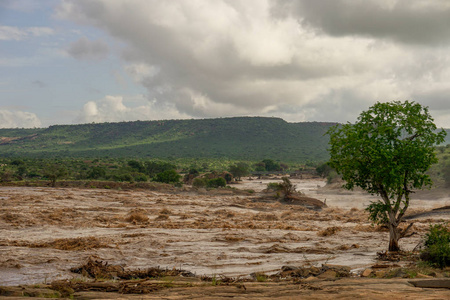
<point x="97" y="172"/>
<point x="238" y="170"/>
<point x="446" y="174"/>
<point x="271" y="165"/>
<point x="387" y="152"/>
<point x="323" y="170"/>
<point x="54" y="172"/>
<point x="168" y="176"/>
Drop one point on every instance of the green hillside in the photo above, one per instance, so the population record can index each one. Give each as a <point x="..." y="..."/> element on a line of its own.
<point x="241" y="138"/>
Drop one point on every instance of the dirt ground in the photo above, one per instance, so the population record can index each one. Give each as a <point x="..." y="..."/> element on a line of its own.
<point x="47" y="231"/>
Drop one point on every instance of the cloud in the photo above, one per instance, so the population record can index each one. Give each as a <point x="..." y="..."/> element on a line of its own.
<point x="14" y="119"/>
<point x="113" y="109"/>
<point x="304" y="60"/>
<point x="85" y="49"/>
<point x="15" y="33"/>
<point x="407" y="21"/>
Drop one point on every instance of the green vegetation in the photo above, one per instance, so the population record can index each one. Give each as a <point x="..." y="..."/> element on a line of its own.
<point x="239" y="170"/>
<point x="237" y="139"/>
<point x="387" y="152"/>
<point x="437" y="246"/>
<point x="209" y="183"/>
<point x="168" y="176"/>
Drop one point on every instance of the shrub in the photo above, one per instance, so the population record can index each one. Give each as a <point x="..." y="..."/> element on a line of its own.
<point x="168" y="176"/>
<point x="287" y="187"/>
<point x="437" y="246"/>
<point x="210" y="183"/>
<point x="216" y="182"/>
<point x="140" y="177"/>
<point x="273" y="186"/>
<point x="199" y="182"/>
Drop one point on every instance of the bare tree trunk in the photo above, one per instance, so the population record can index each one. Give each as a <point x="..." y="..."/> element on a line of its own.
<point x="394" y="236"/>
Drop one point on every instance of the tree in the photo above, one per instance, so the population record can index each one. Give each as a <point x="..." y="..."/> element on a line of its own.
<point x="54" y="172"/>
<point x="323" y="170"/>
<point x="387" y="152"/>
<point x="238" y="170"/>
<point x="168" y="176"/>
<point x="271" y="165"/>
<point x="446" y="174"/>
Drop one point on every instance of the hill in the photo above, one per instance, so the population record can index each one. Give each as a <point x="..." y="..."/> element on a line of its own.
<point x="240" y="138"/>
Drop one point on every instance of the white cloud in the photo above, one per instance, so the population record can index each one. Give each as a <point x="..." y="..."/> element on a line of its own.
<point x="303" y="60"/>
<point x="113" y="109"/>
<point x="85" y="49"/>
<point x="15" y="118"/>
<point x="17" y="34"/>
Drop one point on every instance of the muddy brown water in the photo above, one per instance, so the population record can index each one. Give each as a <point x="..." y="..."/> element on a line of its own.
<point x="46" y="231"/>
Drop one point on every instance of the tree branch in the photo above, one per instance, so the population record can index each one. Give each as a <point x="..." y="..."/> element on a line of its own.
<point x="403" y="233"/>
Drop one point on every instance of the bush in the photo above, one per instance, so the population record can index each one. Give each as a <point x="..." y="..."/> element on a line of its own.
<point x="287" y="187"/>
<point x="140" y="177"/>
<point x="217" y="182"/>
<point x="168" y="176"/>
<point x="273" y="186"/>
<point x="199" y="182"/>
<point x="210" y="183"/>
<point x="437" y="246"/>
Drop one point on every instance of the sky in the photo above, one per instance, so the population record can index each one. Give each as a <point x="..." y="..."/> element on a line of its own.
<point x="84" y="61"/>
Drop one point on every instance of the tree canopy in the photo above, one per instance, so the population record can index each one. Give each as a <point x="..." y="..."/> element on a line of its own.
<point x="387" y="152"/>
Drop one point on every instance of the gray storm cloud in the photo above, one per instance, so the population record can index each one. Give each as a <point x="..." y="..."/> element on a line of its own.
<point x="417" y="22"/>
<point x="302" y="60"/>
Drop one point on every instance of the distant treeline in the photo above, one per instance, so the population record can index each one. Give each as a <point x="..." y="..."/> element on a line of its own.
<point x="130" y="170"/>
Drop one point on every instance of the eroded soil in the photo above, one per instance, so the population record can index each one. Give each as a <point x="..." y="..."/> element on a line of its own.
<point x="47" y="231"/>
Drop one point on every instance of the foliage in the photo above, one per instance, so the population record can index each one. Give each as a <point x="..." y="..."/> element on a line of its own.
<point x="216" y="182"/>
<point x="378" y="213"/>
<point x="241" y="138"/>
<point x="168" y="176"/>
<point x="323" y="170"/>
<point x="239" y="170"/>
<point x="287" y="187"/>
<point x="437" y="246"/>
<point x="55" y="171"/>
<point x="332" y="177"/>
<point x="97" y="172"/>
<point x="274" y="186"/>
<point x="209" y="183"/>
<point x="271" y="165"/>
<point x="446" y="174"/>
<point x="387" y="152"/>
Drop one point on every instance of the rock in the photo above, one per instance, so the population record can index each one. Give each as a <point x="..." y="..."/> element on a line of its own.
<point x="366" y="273"/>
<point x="380" y="274"/>
<point x="341" y="271"/>
<point x="431" y="283"/>
<point x="310" y="278"/>
<point x="328" y="274"/>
